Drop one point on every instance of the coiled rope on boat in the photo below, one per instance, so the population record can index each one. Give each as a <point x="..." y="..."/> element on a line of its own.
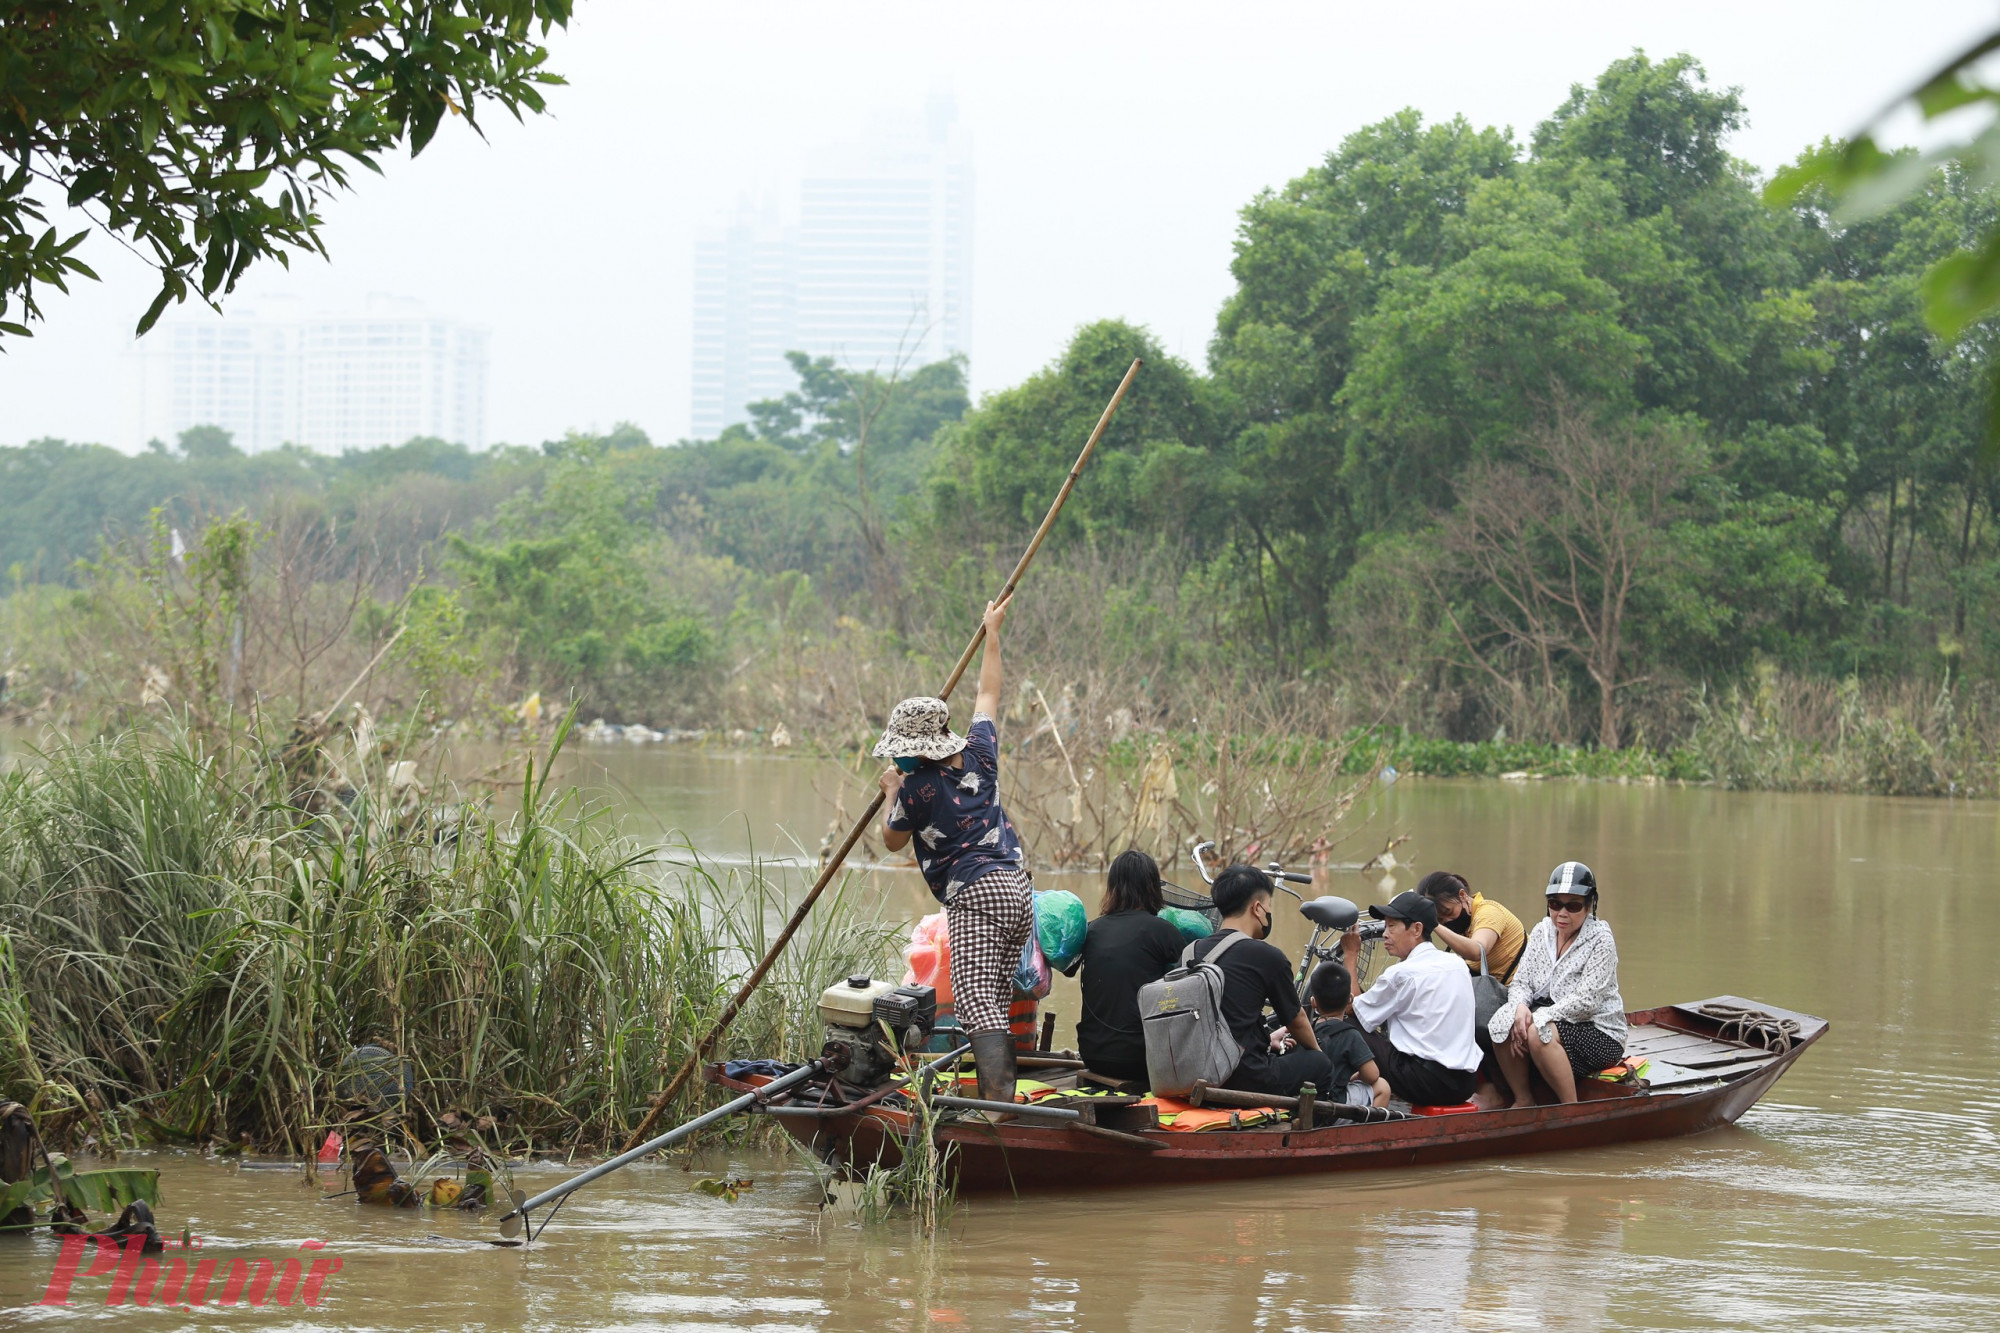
<point x="1753" y="1027"/>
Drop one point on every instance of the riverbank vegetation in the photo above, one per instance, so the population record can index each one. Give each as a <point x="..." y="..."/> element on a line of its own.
<point x="191" y="943"/>
<point x="1561" y="453"/>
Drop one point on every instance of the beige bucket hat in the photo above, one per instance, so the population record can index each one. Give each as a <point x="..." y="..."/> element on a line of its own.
<point x="919" y="727"/>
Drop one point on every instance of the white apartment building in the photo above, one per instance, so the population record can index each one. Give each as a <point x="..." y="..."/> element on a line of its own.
<point x="877" y="270"/>
<point x="745" y="317"/>
<point x="271" y="376"/>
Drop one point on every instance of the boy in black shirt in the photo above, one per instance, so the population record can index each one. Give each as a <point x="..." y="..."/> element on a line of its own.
<point x="1255" y="976"/>
<point x="1356" y="1078"/>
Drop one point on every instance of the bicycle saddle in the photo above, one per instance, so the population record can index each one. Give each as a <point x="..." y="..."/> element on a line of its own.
<point x="1330" y="912"/>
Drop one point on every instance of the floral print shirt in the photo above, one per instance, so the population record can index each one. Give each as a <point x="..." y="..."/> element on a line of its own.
<point x="959" y="830"/>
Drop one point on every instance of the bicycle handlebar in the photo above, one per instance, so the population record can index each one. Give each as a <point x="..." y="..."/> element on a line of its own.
<point x="1274" y="869"/>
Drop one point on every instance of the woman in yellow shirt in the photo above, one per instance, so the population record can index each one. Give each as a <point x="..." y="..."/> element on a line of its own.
<point x="1466" y="921"/>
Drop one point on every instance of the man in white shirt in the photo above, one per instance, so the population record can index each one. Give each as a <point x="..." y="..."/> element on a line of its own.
<point x="1418" y="1016"/>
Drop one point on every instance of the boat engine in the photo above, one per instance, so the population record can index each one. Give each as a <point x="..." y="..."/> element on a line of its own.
<point x="876" y="1021"/>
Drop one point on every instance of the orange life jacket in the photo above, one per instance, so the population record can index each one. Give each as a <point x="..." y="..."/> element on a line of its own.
<point x="1186" y="1118"/>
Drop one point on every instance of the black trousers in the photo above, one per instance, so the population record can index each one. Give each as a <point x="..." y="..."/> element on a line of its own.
<point x="1589" y="1047"/>
<point x="1418" y="1081"/>
<point x="1283" y="1075"/>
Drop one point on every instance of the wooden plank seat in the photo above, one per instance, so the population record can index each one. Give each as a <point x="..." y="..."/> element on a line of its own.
<point x="1667" y="1075"/>
<point x="1712" y="1055"/>
<point x="1647" y="1039"/>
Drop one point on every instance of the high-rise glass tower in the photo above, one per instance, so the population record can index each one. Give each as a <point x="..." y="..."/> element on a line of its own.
<point x="877" y="270"/>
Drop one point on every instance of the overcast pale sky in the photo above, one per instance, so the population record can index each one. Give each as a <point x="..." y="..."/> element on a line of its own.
<point x="1115" y="142"/>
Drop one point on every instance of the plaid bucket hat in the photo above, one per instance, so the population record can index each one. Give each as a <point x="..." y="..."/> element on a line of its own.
<point x="919" y="727"/>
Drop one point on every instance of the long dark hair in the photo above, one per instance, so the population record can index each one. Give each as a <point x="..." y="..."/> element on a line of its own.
<point x="1443" y="884"/>
<point x="1132" y="884"/>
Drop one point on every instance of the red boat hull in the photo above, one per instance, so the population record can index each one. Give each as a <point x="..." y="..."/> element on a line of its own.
<point x="1023" y="1156"/>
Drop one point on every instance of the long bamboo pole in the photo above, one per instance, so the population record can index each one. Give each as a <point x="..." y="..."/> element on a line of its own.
<point x="756" y="977"/>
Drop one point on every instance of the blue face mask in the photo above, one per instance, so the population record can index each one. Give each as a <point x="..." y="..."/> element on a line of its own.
<point x="909" y="763"/>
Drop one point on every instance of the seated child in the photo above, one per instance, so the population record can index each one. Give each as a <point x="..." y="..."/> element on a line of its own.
<point x="1356" y="1079"/>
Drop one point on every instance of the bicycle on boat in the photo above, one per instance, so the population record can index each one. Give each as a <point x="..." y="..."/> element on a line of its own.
<point x="1330" y="915"/>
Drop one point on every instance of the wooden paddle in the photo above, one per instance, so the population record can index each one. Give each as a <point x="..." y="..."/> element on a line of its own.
<point x="756" y="977"/>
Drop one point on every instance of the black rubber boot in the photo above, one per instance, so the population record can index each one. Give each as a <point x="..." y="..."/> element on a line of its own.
<point x="993" y="1057"/>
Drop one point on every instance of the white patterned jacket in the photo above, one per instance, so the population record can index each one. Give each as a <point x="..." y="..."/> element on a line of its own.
<point x="1582" y="985"/>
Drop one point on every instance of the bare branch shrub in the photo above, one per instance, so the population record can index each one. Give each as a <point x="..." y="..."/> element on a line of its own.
<point x="1553" y="547"/>
<point x="281" y="618"/>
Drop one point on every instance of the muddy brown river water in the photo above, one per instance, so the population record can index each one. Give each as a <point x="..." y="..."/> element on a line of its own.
<point x="1863" y="1193"/>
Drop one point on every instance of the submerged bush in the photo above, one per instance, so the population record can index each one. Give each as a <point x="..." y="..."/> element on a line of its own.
<point x="1432" y="757"/>
<point x="192" y="955"/>
<point x="1784" y="734"/>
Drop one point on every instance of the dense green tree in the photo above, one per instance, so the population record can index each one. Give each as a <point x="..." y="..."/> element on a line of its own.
<point x="1904" y="408"/>
<point x="1362" y="483"/>
<point x="1961" y="289"/>
<point x="1627" y="260"/>
<point x="208" y="443"/>
<point x="1408" y="313"/>
<point x="1312" y="257"/>
<point x="999" y="468"/>
<point x="206" y="133"/>
<point x="1461" y="358"/>
<point x="1311" y="262"/>
<point x="1654" y="130"/>
<point x="566" y="586"/>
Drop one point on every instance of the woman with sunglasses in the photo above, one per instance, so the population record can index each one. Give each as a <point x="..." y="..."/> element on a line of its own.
<point x="1563" y="1014"/>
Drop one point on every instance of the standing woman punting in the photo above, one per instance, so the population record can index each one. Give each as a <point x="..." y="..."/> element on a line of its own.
<point x="944" y="791"/>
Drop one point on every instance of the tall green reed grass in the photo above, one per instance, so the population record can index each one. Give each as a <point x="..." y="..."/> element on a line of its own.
<point x="185" y="954"/>
<point x="1780" y="733"/>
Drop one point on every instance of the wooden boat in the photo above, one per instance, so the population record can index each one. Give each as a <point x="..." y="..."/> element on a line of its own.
<point x="1705" y="1072"/>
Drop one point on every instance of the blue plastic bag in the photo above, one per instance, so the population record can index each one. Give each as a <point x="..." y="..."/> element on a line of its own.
<point x="1059" y="926"/>
<point x="1031" y="974"/>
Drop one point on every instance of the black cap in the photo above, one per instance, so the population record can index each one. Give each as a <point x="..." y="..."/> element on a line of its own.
<point x="1408" y="906"/>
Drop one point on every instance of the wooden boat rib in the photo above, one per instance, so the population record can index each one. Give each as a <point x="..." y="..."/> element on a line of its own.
<point x="1703" y="1075"/>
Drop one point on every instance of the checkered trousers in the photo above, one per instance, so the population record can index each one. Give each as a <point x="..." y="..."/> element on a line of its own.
<point x="989" y="920"/>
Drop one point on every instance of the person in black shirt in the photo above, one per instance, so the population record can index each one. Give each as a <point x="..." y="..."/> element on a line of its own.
<point x="1254" y="975"/>
<point x="1355" y="1077"/>
<point x="1126" y="946"/>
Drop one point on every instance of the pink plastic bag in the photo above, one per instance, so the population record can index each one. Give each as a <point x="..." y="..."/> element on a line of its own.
<point x="929" y="956"/>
